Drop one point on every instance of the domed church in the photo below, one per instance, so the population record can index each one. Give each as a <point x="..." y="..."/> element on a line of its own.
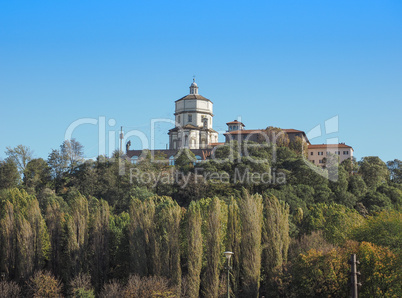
<point x="194" y="119"/>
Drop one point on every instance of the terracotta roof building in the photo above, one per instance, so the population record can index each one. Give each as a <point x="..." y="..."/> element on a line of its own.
<point x="319" y="153"/>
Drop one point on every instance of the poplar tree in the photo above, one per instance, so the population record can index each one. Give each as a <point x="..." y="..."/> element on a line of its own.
<point x="233" y="242"/>
<point x="100" y="244"/>
<point x="251" y="219"/>
<point x="55" y="222"/>
<point x="194" y="238"/>
<point x="275" y="237"/>
<point x="213" y="249"/>
<point x="40" y="235"/>
<point x="24" y="238"/>
<point x="143" y="245"/>
<point x="8" y="240"/>
<point x="75" y="238"/>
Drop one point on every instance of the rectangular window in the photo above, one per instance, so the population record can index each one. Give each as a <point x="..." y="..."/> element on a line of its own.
<point x="178" y="119"/>
<point x="320" y="161"/>
<point x="313" y="161"/>
<point x="190" y="118"/>
<point x="321" y="153"/>
<point x="345" y="152"/>
<point x="311" y="153"/>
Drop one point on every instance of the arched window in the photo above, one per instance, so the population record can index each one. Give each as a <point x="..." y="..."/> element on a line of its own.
<point x="171" y="161"/>
<point x="134" y="160"/>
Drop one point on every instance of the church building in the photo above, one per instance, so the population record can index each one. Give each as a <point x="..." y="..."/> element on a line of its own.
<point x="194" y="130"/>
<point x="194" y="119"/>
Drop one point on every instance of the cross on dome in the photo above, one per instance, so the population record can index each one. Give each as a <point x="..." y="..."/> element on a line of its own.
<point x="194" y="87"/>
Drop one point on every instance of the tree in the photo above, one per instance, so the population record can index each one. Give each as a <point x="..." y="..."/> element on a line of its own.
<point x="144" y="248"/>
<point x="23" y="233"/>
<point x="9" y="289"/>
<point x="251" y="219"/>
<point x="233" y="242"/>
<point x="275" y="237"/>
<point x="376" y="201"/>
<point x="357" y="186"/>
<point x="40" y="237"/>
<point x="36" y="175"/>
<point x="44" y="284"/>
<point x="73" y="153"/>
<point x="58" y="166"/>
<point x="317" y="274"/>
<point x="214" y="238"/>
<point x="299" y="146"/>
<point x="380" y="271"/>
<point x="80" y="286"/>
<point x="119" y="246"/>
<point x="100" y="244"/>
<point x="194" y="238"/>
<point x="274" y="136"/>
<point x="148" y="287"/>
<point x="336" y="221"/>
<point x="384" y="229"/>
<point x="185" y="160"/>
<point x="395" y="169"/>
<point x="55" y="222"/>
<point x="350" y="165"/>
<point x="9" y="176"/>
<point x="75" y="238"/>
<point x="20" y="155"/>
<point x="168" y="231"/>
<point x="374" y="171"/>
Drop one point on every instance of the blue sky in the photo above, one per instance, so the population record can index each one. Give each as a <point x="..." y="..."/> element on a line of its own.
<point x="290" y="64"/>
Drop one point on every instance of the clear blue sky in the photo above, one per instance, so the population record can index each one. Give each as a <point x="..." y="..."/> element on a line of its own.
<point x="291" y="64"/>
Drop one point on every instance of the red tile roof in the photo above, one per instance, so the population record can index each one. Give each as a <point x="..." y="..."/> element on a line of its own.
<point x="328" y="146"/>
<point x="244" y="131"/>
<point x="216" y="144"/>
<point x="247" y="131"/>
<point x="235" y="122"/>
<point x="194" y="96"/>
<point x="287" y="130"/>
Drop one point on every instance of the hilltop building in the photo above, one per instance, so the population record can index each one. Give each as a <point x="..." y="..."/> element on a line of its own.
<point x="318" y="154"/>
<point x="194" y="130"/>
<point x="194" y="119"/>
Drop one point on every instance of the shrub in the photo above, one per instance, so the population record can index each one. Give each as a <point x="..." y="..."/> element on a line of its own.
<point x="44" y="284"/>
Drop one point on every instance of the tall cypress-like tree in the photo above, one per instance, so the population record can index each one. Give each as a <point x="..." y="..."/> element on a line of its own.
<point x="194" y="238"/>
<point x="40" y="237"/>
<point x="142" y="240"/>
<point x="168" y="221"/>
<point x="251" y="219"/>
<point x="100" y="244"/>
<point x="275" y="237"/>
<point x="8" y="240"/>
<point x="24" y="238"/>
<point x="75" y="238"/>
<point x="55" y="222"/>
<point x="233" y="242"/>
<point x="213" y="249"/>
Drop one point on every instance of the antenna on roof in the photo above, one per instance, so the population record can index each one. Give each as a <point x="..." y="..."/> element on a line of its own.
<point x="121" y="139"/>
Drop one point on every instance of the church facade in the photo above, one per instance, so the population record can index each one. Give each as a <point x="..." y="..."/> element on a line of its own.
<point x="194" y="120"/>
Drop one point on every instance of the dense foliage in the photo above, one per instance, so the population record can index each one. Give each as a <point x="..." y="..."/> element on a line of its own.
<point x="108" y="228"/>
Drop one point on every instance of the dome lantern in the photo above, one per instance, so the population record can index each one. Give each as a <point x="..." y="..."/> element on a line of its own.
<point x="194" y="87"/>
